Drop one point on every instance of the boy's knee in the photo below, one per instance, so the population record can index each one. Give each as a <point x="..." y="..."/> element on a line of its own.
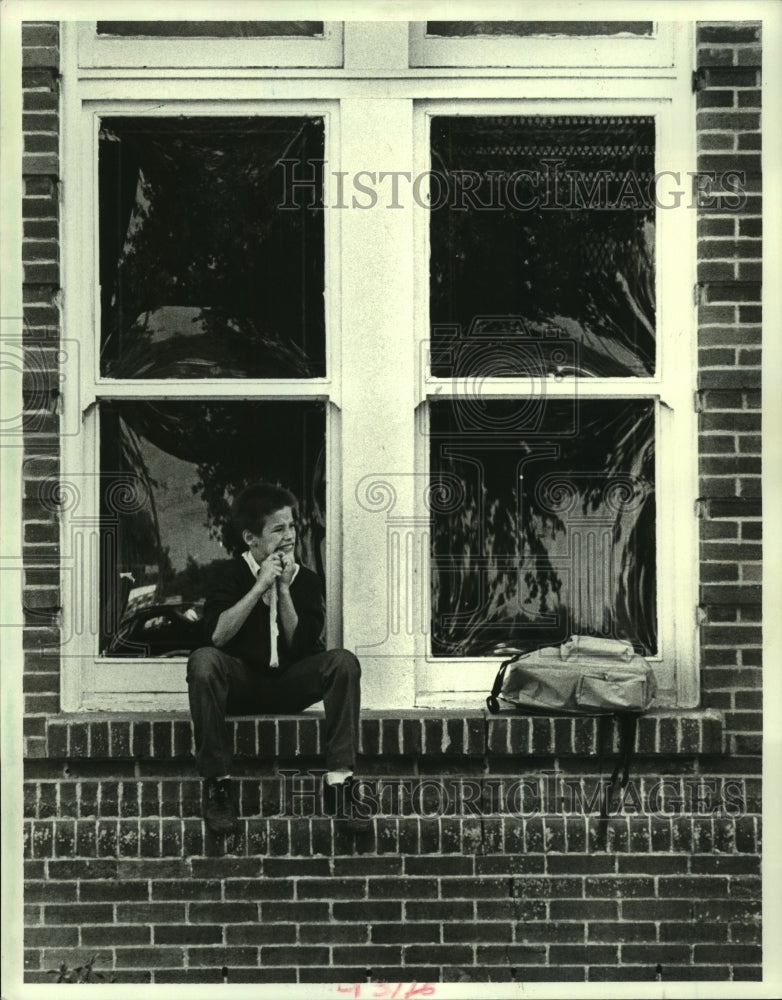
<point x="345" y="662"/>
<point x="203" y="664"/>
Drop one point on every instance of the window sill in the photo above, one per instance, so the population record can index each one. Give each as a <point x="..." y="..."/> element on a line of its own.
<point x="168" y="736"/>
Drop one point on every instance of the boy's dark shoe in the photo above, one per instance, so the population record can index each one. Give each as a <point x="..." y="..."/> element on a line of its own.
<point x="219" y="809"/>
<point x="346" y="804"/>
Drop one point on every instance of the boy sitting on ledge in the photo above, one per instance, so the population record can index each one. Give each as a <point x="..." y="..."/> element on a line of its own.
<point x="263" y="653"/>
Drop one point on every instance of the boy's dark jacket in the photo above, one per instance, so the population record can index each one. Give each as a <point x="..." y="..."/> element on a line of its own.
<point x="251" y="643"/>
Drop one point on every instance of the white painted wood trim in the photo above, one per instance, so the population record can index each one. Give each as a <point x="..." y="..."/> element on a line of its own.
<point x="109" y="52"/>
<point x="628" y="51"/>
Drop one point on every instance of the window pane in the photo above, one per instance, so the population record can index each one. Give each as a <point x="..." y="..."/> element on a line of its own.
<point x="211" y="29"/>
<point x="467" y="29"/>
<point x="543" y="523"/>
<point x="202" y="273"/>
<point x="169" y="472"/>
<point x="543" y="226"/>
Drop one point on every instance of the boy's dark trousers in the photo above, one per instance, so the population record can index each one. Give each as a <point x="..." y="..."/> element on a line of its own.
<point x="220" y="684"/>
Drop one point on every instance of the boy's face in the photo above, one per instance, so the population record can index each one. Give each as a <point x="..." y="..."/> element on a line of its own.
<point x="278" y="535"/>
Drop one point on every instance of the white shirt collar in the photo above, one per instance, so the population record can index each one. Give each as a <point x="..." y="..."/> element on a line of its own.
<point x="249" y="558"/>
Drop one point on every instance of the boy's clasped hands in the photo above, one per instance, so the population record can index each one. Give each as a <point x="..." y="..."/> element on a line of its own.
<point x="277" y="567"/>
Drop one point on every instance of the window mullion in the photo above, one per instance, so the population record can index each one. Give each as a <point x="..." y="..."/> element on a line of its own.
<point x="378" y="405"/>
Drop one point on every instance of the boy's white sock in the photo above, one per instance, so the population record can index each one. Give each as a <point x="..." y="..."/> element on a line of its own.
<point x="337" y="777"/>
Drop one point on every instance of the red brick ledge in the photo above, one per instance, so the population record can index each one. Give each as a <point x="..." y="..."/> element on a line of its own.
<point x="166" y="736"/>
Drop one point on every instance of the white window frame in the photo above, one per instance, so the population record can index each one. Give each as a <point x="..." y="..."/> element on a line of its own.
<point x="377" y="287"/>
<point x="593" y="52"/>
<point x="671" y="389"/>
<point x="90" y="681"/>
<point x="126" y="52"/>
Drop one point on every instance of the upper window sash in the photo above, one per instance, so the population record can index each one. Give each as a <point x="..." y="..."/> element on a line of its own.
<point x="562" y="249"/>
<point x="83" y="306"/>
<point x="122" y="51"/>
<point x="606" y="52"/>
<point x="199" y="229"/>
<point x="673" y="375"/>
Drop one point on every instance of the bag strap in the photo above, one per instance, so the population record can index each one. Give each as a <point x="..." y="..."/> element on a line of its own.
<point x="628" y="728"/>
<point x="491" y="702"/>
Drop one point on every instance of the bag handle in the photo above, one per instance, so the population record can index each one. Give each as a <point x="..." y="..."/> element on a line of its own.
<point x="491" y="702"/>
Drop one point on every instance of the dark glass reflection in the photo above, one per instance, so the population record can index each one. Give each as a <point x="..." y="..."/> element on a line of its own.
<point x="468" y="29"/>
<point x="543" y="524"/>
<point x="169" y="472"/>
<point x="202" y="273"/>
<point x="210" y="29"/>
<point x="543" y="226"/>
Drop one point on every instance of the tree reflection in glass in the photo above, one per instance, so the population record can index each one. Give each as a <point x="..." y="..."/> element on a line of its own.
<point x="551" y="221"/>
<point x="552" y="531"/>
<point x="202" y="273"/>
<point x="169" y="473"/>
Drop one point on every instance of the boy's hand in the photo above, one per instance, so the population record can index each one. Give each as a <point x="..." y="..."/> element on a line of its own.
<point x="288" y="566"/>
<point x="271" y="567"/>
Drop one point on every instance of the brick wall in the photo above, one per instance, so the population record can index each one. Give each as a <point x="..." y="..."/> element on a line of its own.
<point x="41" y="296"/>
<point x="466" y="875"/>
<point x="117" y="859"/>
<point x="729" y="338"/>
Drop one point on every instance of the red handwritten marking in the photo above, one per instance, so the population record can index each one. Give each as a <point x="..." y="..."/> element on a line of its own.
<point x="383" y="991"/>
<point x="420" y="990"/>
